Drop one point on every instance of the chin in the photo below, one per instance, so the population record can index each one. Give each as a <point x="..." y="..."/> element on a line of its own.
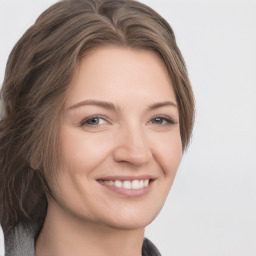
<point x="131" y="220"/>
<point x="129" y="224"/>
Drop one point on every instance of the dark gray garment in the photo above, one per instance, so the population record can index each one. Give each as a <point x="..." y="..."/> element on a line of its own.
<point x="20" y="242"/>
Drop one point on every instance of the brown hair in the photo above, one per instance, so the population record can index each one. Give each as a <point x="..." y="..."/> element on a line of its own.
<point x="38" y="73"/>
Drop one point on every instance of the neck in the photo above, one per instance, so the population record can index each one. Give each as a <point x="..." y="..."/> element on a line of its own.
<point x="64" y="235"/>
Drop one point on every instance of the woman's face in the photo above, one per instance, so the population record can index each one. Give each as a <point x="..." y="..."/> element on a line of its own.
<point x="120" y="139"/>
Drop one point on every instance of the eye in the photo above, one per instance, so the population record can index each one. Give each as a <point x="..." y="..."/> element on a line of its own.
<point x="93" y="121"/>
<point x="160" y="120"/>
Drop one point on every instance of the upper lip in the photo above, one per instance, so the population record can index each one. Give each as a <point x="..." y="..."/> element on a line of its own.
<point x="123" y="178"/>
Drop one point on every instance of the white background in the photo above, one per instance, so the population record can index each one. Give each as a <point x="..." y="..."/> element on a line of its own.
<point x="211" y="209"/>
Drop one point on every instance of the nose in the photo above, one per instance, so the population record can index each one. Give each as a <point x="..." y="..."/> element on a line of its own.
<point x="132" y="147"/>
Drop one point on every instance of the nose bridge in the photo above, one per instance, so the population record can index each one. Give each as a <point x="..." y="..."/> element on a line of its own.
<point x="133" y="145"/>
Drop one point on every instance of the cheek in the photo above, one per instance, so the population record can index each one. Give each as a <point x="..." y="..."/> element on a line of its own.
<point x="168" y="151"/>
<point x="81" y="153"/>
<point x="168" y="154"/>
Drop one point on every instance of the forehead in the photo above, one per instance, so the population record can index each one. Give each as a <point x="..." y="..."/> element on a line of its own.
<point x="118" y="74"/>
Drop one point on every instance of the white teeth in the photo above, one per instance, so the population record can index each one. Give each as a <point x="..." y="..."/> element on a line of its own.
<point x="136" y="184"/>
<point x="108" y="182"/>
<point x="118" y="183"/>
<point x="127" y="184"/>
<point x="146" y="183"/>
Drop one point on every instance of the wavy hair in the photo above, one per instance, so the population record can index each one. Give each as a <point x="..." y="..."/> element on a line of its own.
<point x="38" y="74"/>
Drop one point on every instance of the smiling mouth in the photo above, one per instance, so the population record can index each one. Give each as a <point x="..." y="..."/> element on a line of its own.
<point x="127" y="184"/>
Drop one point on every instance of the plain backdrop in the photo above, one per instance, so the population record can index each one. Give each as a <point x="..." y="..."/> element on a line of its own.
<point x="211" y="209"/>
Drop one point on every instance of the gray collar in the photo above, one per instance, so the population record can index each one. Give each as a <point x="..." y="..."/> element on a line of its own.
<point x="20" y="241"/>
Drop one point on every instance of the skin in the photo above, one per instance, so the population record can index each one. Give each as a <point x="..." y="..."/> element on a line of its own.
<point x="129" y="140"/>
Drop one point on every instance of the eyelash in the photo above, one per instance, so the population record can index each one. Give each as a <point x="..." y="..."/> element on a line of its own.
<point x="168" y="121"/>
<point x="84" y="122"/>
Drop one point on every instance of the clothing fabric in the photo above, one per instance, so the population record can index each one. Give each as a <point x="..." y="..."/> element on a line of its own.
<point x="20" y="242"/>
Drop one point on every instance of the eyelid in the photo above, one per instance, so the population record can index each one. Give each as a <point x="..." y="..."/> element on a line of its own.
<point x="83" y="122"/>
<point x="168" y="119"/>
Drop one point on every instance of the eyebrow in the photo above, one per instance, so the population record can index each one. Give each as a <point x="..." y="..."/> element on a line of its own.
<point x="162" y="104"/>
<point x="111" y="106"/>
<point x="103" y="104"/>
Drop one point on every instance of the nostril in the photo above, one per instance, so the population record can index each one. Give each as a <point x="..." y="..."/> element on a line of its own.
<point x="133" y="155"/>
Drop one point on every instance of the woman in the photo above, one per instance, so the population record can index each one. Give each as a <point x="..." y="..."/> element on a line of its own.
<point x="99" y="110"/>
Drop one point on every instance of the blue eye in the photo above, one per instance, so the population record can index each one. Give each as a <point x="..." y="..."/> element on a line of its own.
<point x="162" y="120"/>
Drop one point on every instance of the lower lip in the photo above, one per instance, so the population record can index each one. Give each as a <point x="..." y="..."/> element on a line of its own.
<point x="129" y="192"/>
